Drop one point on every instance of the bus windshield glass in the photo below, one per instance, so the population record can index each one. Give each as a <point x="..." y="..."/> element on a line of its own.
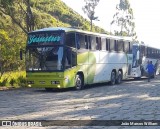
<point x="135" y="52"/>
<point x="44" y="58"/>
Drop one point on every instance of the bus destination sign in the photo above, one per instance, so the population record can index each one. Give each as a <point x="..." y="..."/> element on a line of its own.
<point x="43" y="39"/>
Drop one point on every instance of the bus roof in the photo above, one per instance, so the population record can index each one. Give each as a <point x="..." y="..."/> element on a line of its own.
<point x="71" y="29"/>
<point x="146" y="45"/>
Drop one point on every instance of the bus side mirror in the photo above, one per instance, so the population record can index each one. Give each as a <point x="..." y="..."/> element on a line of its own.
<point x="21" y="55"/>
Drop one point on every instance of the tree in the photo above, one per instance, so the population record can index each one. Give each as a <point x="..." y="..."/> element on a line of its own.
<point x="12" y="39"/>
<point x="19" y="10"/>
<point x="15" y="16"/>
<point x="124" y="19"/>
<point x="89" y="9"/>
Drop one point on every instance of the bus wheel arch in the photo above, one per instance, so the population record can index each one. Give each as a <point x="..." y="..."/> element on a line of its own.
<point x="119" y="76"/>
<point x="79" y="81"/>
<point x="113" y="77"/>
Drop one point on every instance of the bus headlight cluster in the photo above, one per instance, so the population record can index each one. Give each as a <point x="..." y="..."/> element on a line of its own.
<point x="30" y="82"/>
<point x="55" y="82"/>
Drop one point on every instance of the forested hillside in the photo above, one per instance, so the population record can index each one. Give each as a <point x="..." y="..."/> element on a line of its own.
<point x="56" y="13"/>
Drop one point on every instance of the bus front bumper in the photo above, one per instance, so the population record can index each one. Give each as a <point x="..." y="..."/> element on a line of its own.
<point x="43" y="83"/>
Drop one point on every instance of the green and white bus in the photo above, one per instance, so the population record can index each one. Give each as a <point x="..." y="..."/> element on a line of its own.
<point x="67" y="57"/>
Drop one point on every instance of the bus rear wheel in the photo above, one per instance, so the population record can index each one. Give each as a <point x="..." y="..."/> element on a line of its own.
<point x="79" y="84"/>
<point x="119" y="78"/>
<point x="113" y="78"/>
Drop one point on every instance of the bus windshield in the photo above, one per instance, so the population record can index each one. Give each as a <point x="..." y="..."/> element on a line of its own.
<point x="44" y="58"/>
<point x="135" y="52"/>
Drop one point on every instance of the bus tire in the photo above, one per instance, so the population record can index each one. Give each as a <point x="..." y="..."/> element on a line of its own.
<point x="113" y="78"/>
<point x="119" y="77"/>
<point x="79" y="83"/>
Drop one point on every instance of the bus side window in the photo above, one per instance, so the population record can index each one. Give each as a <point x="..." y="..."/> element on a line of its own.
<point x="126" y="47"/>
<point x="86" y="41"/>
<point x="142" y="48"/>
<point x="120" y="45"/>
<point x="81" y="41"/>
<point x="98" y="43"/>
<point x="103" y="44"/>
<point x="112" y="45"/>
<point x="70" y="40"/>
<point x="89" y="42"/>
<point x="93" y="43"/>
<point x="108" y="44"/>
<point x="78" y="41"/>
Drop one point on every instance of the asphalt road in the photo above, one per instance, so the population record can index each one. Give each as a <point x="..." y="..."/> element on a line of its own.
<point x="131" y="100"/>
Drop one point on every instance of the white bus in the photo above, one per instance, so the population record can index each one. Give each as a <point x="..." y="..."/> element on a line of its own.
<point x="142" y="54"/>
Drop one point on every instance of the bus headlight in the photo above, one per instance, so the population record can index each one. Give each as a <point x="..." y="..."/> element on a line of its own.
<point x="29" y="85"/>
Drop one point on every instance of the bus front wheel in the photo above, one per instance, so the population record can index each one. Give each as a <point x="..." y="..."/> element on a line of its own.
<point x="79" y="82"/>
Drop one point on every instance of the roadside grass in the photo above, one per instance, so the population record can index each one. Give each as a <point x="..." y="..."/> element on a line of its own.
<point x="14" y="79"/>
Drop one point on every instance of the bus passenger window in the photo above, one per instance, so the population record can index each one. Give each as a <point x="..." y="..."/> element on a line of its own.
<point x="82" y="41"/>
<point x="107" y="44"/>
<point x="100" y="44"/>
<point x="89" y="42"/>
<point x="120" y="45"/>
<point x="70" y="40"/>
<point x="78" y="41"/>
<point x="103" y="43"/>
<point x="93" y="43"/>
<point x="126" y="47"/>
<point x="112" y="45"/>
<point x="86" y="41"/>
<point x="97" y="44"/>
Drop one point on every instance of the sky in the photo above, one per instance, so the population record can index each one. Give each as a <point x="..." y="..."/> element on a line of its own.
<point x="146" y="15"/>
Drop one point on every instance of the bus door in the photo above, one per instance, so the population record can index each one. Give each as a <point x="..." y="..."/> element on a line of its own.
<point x="70" y="58"/>
<point x="70" y="63"/>
<point x="137" y="68"/>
